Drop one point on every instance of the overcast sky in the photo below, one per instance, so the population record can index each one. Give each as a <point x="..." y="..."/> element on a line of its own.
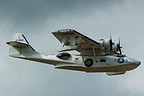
<point x="36" y="19"/>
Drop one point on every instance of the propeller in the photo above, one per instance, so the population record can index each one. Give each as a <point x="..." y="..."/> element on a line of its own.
<point x="111" y="43"/>
<point x="119" y="47"/>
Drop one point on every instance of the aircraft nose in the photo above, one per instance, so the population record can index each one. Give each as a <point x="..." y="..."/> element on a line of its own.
<point x="137" y="62"/>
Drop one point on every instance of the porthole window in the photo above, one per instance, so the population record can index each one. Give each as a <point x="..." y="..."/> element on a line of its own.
<point x="64" y="56"/>
<point x="76" y="59"/>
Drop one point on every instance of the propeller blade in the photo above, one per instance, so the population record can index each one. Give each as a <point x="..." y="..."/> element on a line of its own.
<point x="111" y="43"/>
<point x="119" y="47"/>
<point x="119" y="42"/>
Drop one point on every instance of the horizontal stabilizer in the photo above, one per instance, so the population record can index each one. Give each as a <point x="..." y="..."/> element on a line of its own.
<point x="17" y="44"/>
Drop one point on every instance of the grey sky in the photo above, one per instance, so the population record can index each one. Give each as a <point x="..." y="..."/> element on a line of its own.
<point x="26" y="13"/>
<point x="96" y="19"/>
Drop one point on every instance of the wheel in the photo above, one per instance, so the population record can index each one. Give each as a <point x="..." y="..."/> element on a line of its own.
<point x="88" y="62"/>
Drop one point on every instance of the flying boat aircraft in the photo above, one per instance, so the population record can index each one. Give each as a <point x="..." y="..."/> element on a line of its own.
<point x="94" y="55"/>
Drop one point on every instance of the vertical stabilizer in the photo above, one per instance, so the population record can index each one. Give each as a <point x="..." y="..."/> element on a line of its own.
<point x="20" y="47"/>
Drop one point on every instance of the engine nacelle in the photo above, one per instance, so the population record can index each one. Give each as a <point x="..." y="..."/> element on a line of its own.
<point x="105" y="43"/>
<point x="114" y="48"/>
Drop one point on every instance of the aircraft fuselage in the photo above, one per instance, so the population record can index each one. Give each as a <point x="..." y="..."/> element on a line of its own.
<point x="76" y="62"/>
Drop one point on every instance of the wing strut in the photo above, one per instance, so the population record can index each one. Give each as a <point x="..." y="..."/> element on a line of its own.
<point x="81" y="53"/>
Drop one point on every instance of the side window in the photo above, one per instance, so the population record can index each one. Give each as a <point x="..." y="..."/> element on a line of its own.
<point x="102" y="60"/>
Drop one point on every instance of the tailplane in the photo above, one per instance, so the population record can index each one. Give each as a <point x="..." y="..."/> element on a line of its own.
<point x="20" y="47"/>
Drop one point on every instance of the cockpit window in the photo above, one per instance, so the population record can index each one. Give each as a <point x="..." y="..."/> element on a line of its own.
<point x="64" y="56"/>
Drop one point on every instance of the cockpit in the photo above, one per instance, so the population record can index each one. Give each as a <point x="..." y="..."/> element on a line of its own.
<point x="64" y="56"/>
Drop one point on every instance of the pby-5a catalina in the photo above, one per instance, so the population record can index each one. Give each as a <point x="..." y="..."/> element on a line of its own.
<point x="94" y="56"/>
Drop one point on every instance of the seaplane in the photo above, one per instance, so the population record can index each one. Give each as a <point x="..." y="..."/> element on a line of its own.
<point x="91" y="55"/>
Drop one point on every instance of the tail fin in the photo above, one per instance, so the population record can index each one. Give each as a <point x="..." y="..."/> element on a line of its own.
<point x="20" y="47"/>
